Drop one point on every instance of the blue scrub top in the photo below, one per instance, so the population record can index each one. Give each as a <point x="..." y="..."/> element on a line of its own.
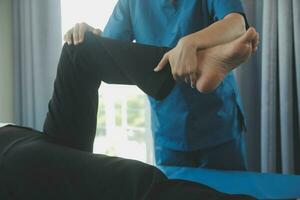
<point x="187" y="119"/>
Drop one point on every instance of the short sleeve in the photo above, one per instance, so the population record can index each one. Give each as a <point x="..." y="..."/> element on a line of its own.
<point x="220" y="8"/>
<point x="119" y="25"/>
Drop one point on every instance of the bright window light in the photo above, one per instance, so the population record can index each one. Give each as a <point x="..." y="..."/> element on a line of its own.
<point x="123" y="116"/>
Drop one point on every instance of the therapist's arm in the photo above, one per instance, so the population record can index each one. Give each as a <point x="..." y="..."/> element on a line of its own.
<point x="183" y="58"/>
<point x="223" y="31"/>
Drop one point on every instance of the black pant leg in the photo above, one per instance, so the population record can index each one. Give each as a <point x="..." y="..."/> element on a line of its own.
<point x="137" y="63"/>
<point x="73" y="108"/>
<point x="35" y="167"/>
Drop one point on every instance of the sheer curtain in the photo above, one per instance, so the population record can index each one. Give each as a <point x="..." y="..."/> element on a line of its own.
<point x="37" y="45"/>
<point x="270" y="87"/>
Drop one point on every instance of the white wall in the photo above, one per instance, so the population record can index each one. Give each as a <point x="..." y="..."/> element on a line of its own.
<point x="6" y="65"/>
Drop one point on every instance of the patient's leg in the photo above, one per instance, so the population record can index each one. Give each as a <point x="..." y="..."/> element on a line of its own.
<point x="73" y="108"/>
<point x="72" y="114"/>
<point x="35" y="167"/>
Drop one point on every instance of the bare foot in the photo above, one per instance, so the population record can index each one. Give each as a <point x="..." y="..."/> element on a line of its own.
<point x="216" y="62"/>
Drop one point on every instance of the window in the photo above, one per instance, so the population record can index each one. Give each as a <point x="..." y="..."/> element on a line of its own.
<point x="123" y="127"/>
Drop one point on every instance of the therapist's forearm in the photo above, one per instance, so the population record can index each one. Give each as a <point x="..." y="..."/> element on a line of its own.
<point x="220" y="32"/>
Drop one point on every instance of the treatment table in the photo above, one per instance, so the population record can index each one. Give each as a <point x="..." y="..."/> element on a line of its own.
<point x="261" y="186"/>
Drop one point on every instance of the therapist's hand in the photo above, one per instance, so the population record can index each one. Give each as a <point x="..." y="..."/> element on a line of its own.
<point x="76" y="34"/>
<point x="183" y="61"/>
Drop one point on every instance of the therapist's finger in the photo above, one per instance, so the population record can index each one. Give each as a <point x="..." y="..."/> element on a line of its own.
<point x="81" y="32"/>
<point x="164" y="61"/>
<point x="68" y="37"/>
<point x="76" y="34"/>
<point x="193" y="79"/>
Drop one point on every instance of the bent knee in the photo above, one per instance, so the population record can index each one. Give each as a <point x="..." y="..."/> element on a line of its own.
<point x="82" y="57"/>
<point x="83" y="49"/>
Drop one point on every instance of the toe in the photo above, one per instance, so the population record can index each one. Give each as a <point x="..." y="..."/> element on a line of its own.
<point x="249" y="36"/>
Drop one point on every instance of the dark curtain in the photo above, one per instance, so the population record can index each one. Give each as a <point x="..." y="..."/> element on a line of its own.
<point x="270" y="87"/>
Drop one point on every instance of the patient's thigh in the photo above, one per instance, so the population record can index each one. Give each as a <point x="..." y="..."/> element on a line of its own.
<point x="40" y="169"/>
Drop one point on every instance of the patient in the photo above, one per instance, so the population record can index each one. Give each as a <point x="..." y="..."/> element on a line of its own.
<point x="58" y="163"/>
